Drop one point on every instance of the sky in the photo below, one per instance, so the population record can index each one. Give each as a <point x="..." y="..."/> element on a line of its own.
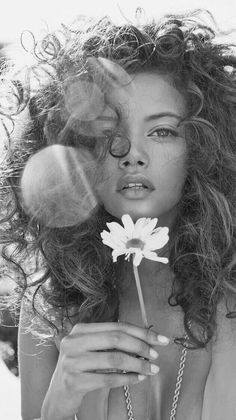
<point x="19" y="15"/>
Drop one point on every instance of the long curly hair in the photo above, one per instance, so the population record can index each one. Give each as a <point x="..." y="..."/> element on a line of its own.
<point x="76" y="276"/>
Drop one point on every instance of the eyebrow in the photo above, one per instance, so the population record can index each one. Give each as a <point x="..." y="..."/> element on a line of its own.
<point x="106" y="118"/>
<point x="162" y="114"/>
<point x="146" y="119"/>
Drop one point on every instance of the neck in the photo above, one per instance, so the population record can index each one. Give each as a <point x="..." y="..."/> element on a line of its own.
<point x="156" y="289"/>
<point x="168" y="219"/>
<point x="155" y="279"/>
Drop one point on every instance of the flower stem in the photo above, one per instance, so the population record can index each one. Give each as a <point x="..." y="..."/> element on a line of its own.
<point x="140" y="296"/>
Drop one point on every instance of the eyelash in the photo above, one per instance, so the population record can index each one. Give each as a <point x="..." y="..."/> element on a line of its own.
<point x="171" y="132"/>
<point x="107" y="133"/>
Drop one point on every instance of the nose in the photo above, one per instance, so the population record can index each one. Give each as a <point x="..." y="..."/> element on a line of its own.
<point x="137" y="157"/>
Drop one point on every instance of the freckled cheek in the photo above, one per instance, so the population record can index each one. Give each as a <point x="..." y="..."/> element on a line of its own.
<point x="170" y="168"/>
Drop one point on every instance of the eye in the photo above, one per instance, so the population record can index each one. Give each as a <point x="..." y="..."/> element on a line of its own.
<point x="119" y="144"/>
<point x="108" y="133"/>
<point x="163" y="133"/>
<point x="111" y="135"/>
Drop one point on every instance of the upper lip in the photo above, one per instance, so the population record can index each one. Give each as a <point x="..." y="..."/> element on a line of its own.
<point x="134" y="179"/>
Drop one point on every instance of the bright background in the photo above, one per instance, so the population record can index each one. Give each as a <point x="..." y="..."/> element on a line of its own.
<point x="17" y="15"/>
<point x="36" y="16"/>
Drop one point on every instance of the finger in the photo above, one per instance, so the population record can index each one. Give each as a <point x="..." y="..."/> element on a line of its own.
<point x="112" y="361"/>
<point x="148" y="335"/>
<point x="111" y="340"/>
<point x="91" y="381"/>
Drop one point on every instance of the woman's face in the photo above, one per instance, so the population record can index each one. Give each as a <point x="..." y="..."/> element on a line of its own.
<point x="147" y="182"/>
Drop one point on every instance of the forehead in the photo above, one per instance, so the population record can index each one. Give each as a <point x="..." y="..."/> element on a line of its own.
<point x="147" y="93"/>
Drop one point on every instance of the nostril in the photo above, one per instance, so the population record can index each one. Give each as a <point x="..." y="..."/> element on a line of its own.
<point x="141" y="163"/>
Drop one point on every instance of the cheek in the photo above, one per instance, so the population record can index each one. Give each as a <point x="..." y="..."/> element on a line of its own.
<point x="105" y="180"/>
<point x="109" y="199"/>
<point x="170" y="164"/>
<point x="170" y="175"/>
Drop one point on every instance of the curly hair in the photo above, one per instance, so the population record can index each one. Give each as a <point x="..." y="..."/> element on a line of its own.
<point x="76" y="275"/>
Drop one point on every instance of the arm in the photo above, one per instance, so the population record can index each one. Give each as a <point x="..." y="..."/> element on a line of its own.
<point x="37" y="363"/>
<point x="53" y="386"/>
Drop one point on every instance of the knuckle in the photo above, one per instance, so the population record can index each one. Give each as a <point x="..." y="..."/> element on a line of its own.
<point x="68" y="383"/>
<point x="133" y="380"/>
<point x="144" y="366"/>
<point x="122" y="326"/>
<point x="115" y="338"/>
<point x="64" y="345"/>
<point x="150" y="335"/>
<point x="115" y="360"/>
<point x="143" y="348"/>
<point x="79" y="328"/>
<point x="65" y="365"/>
<point x="108" y="380"/>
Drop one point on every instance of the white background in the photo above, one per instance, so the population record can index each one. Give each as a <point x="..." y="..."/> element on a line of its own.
<point x="17" y="15"/>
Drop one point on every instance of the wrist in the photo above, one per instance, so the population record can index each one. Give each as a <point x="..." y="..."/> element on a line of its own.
<point x="56" y="417"/>
<point x="49" y="412"/>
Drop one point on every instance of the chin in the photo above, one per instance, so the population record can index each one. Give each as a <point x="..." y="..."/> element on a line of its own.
<point x="135" y="215"/>
<point x="135" y="212"/>
<point x="166" y="214"/>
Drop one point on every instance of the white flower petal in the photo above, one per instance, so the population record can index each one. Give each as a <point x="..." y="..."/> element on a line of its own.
<point x="148" y="228"/>
<point x="137" y="257"/>
<point x="157" y="229"/>
<point x="106" y="237"/>
<point x="142" y="221"/>
<point x="138" y="227"/>
<point x="128" y="225"/>
<point x="109" y="237"/>
<point x="163" y="260"/>
<point x="117" y="229"/>
<point x="127" y="256"/>
<point x="157" y="240"/>
<point x="154" y="257"/>
<point x="117" y="252"/>
<point x="111" y="240"/>
<point x="132" y="250"/>
<point x="144" y="230"/>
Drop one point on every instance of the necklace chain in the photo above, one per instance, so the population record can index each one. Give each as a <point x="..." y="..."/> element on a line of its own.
<point x="176" y="392"/>
<point x="178" y="384"/>
<point x="128" y="403"/>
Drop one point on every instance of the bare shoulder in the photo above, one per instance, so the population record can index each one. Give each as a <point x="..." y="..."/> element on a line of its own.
<point x="37" y="362"/>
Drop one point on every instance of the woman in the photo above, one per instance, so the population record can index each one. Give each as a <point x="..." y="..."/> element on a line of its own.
<point x="151" y="112"/>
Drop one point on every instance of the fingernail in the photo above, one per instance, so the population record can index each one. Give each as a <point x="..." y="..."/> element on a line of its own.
<point x="141" y="377"/>
<point x="162" y="339"/>
<point x="153" y="354"/>
<point x="154" y="368"/>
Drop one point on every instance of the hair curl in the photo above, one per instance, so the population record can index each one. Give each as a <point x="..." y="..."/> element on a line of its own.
<point x="78" y="277"/>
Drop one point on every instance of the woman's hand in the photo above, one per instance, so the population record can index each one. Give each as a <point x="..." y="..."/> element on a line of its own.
<point x="99" y="355"/>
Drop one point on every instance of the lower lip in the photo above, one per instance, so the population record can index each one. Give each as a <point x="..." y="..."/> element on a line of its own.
<point x="135" y="193"/>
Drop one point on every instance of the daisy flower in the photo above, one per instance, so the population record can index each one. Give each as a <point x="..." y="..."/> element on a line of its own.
<point x="139" y="240"/>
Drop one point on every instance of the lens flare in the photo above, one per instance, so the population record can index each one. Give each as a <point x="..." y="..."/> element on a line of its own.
<point x="57" y="186"/>
<point x="83" y="99"/>
<point x="58" y="183"/>
<point x="87" y="116"/>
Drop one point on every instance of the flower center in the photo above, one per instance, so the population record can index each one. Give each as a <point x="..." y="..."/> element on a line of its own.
<point x="135" y="243"/>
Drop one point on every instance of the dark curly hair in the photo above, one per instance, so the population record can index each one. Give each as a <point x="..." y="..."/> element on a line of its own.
<point x="76" y="275"/>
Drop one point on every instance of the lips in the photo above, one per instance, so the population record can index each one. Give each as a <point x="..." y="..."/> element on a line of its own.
<point x="135" y="182"/>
